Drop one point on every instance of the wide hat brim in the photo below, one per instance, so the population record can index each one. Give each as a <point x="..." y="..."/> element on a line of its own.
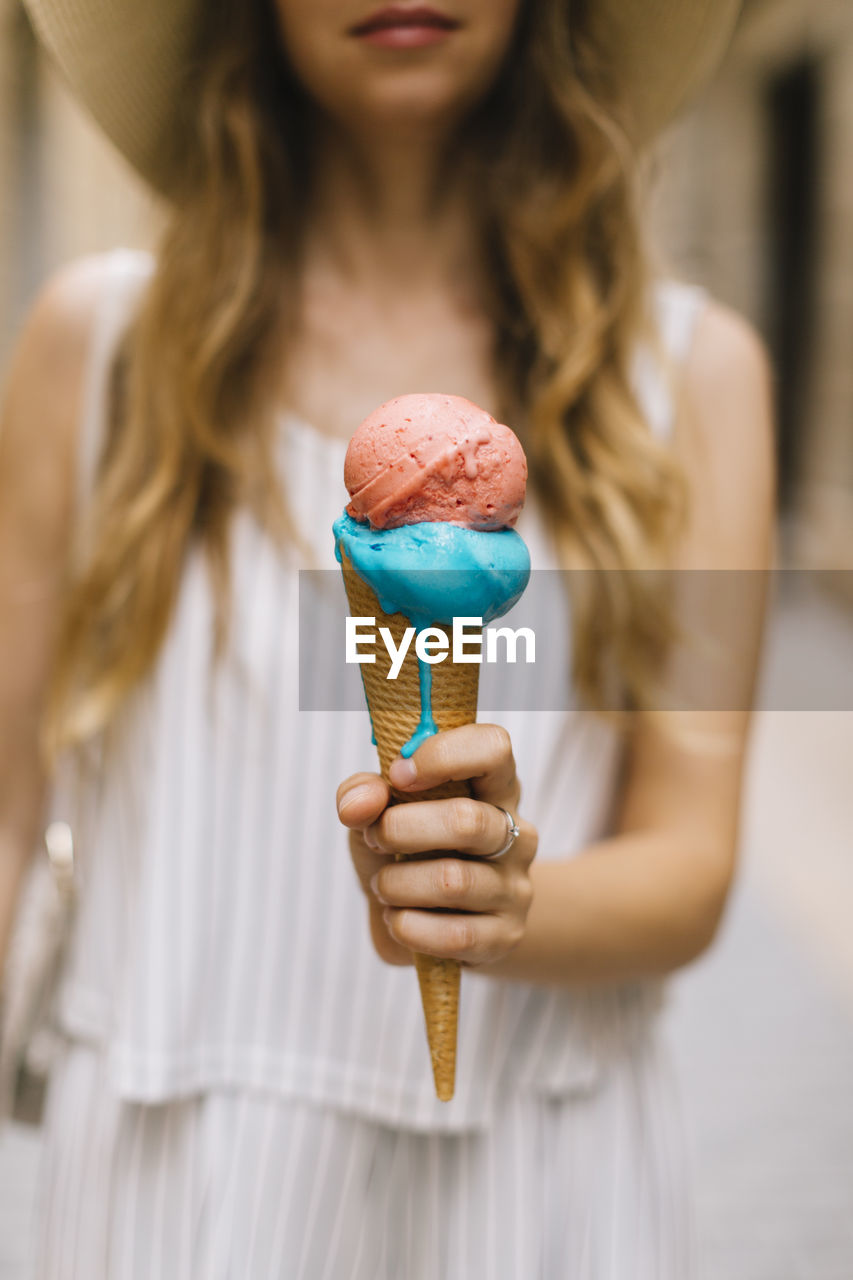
<point x="124" y="61"/>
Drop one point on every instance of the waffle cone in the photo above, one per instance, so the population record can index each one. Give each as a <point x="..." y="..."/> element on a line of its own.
<point x="395" y="711"/>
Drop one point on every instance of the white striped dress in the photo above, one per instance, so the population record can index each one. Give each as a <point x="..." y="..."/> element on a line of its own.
<point x="244" y="1088"/>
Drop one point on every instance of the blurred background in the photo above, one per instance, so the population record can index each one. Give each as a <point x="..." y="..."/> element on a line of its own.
<point x="752" y="197"/>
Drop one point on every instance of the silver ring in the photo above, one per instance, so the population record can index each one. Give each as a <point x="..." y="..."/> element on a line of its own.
<point x="513" y="831"/>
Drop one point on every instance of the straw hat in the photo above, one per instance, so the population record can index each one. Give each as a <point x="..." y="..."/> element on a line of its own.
<point x="123" y="59"/>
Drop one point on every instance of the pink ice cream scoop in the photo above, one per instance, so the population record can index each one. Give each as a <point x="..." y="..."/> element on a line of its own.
<point x="434" y="457"/>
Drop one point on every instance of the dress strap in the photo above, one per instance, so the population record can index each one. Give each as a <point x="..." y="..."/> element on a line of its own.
<point x="676" y="309"/>
<point x="127" y="272"/>
<point x="679" y="307"/>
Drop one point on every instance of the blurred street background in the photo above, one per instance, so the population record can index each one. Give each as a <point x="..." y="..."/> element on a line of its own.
<point x="753" y="197"/>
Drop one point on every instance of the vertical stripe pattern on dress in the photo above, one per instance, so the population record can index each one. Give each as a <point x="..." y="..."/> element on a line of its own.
<point x="245" y="1083"/>
<point x="242" y="956"/>
<point x="242" y="1184"/>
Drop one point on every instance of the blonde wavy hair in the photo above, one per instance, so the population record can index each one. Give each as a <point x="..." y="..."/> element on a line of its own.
<point x="191" y="423"/>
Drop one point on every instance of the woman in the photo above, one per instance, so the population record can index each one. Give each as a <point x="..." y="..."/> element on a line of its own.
<point x="365" y="203"/>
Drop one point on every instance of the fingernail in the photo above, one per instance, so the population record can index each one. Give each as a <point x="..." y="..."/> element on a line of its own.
<point x="352" y="797"/>
<point x="386" y="916"/>
<point x="374" y="887"/>
<point x="370" y="839"/>
<point x="402" y="772"/>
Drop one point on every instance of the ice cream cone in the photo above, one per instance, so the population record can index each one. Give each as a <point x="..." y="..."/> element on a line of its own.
<point x="395" y="711"/>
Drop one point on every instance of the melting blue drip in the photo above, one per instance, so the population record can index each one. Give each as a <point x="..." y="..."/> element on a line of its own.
<point x="469" y="573"/>
<point x="426" y="725"/>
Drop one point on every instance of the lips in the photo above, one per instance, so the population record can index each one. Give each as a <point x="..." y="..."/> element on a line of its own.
<point x="395" y="17"/>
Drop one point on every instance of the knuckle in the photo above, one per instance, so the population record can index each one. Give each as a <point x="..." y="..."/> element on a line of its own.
<point x="468" y="818"/>
<point x="500" y="742"/>
<point x="515" y="933"/>
<point x="462" y="937"/>
<point x="443" y="751"/>
<point x="454" y="879"/>
<point x="524" y="893"/>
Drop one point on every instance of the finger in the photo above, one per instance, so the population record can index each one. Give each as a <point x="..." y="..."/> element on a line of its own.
<point x="453" y="884"/>
<point x="461" y="824"/>
<point x="386" y="947"/>
<point x="361" y="798"/>
<point x="367" y="863"/>
<point x="481" y="753"/>
<point x="471" y="939"/>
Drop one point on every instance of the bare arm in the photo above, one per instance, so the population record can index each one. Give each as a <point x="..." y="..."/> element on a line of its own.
<point x="38" y="437"/>
<point x="649" y="898"/>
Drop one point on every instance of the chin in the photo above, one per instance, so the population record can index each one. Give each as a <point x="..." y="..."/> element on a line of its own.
<point x="415" y="101"/>
<point x="362" y="88"/>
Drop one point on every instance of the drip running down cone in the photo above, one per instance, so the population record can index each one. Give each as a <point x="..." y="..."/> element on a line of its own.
<point x="395" y="709"/>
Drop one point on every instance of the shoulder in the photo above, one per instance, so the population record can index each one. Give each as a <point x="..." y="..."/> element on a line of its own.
<point x="62" y="317"/>
<point x="58" y="330"/>
<point x="45" y="384"/>
<point x="724" y="436"/>
<point x="727" y="357"/>
<point x="66" y="305"/>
